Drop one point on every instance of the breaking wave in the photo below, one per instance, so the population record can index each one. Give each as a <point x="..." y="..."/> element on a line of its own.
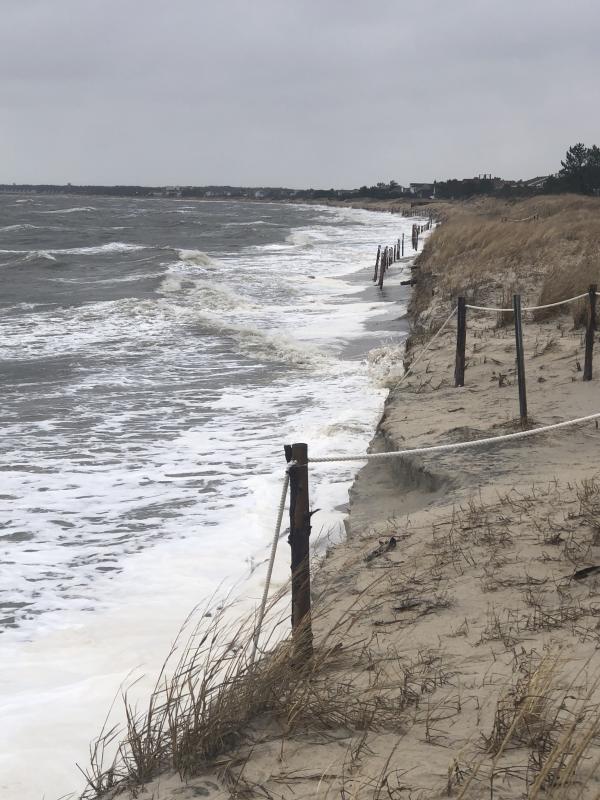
<point x="204" y="293"/>
<point x="196" y="258"/>
<point x="257" y="344"/>
<point x="111" y="247"/>
<point x="22" y="227"/>
<point x="75" y="210"/>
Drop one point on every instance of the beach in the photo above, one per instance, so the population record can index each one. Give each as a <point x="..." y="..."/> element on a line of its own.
<point x="456" y="628"/>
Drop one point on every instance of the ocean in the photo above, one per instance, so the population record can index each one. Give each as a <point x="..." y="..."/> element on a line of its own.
<point x="155" y="356"/>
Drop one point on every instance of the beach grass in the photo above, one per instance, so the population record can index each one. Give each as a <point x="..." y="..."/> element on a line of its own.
<point x="484" y="247"/>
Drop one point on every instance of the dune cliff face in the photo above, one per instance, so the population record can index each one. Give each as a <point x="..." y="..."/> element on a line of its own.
<point x="456" y="629"/>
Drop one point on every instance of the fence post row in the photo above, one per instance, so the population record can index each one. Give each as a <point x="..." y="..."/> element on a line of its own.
<point x="461" y="341"/>
<point x="520" y="358"/>
<point x="590" y="333"/>
<point x="299" y="540"/>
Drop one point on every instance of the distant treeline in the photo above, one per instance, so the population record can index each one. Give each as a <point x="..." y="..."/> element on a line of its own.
<point x="205" y="192"/>
<point x="579" y="172"/>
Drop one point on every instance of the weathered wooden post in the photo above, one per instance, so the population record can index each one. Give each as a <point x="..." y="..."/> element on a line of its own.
<point x="520" y="358"/>
<point x="402" y="247"/>
<point x="377" y="262"/>
<point x="590" y="332"/>
<point x="382" y="268"/>
<point x="299" y="540"/>
<point x="461" y="342"/>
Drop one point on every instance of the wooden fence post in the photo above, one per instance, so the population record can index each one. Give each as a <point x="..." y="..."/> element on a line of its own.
<point x="402" y="245"/>
<point x="382" y="268"/>
<point x="299" y="540"/>
<point x="377" y="262"/>
<point x="520" y="358"/>
<point x="461" y="341"/>
<point x="590" y="332"/>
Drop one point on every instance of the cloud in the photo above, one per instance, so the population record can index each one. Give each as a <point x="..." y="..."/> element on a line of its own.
<point x="297" y="93"/>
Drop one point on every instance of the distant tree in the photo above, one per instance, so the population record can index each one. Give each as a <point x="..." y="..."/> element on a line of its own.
<point x="593" y="169"/>
<point x="574" y="167"/>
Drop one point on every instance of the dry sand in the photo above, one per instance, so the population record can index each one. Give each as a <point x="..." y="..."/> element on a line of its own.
<point x="462" y="657"/>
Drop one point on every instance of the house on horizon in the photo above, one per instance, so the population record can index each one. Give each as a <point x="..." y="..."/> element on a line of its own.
<point x="536" y="183"/>
<point x="423" y="190"/>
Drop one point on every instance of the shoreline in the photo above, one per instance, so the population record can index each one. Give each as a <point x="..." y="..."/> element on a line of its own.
<point x="454" y="647"/>
<point x="94" y="647"/>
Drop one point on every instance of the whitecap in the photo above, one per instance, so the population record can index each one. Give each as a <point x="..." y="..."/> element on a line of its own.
<point x="69" y="210"/>
<point x="44" y="254"/>
<point x="196" y="257"/>
<point x="273" y="346"/>
<point x="22" y="227"/>
<point x="110" y="247"/>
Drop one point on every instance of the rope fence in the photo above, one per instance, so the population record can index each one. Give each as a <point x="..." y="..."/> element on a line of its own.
<point x="296" y="475"/>
<point x="296" y="479"/>
<point x="529" y="308"/>
<point x="517" y="310"/>
<point x="297" y="471"/>
<point x="453" y="446"/>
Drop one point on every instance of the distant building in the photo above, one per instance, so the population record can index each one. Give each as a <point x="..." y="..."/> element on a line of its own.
<point x="422" y="189"/>
<point x="536" y="183"/>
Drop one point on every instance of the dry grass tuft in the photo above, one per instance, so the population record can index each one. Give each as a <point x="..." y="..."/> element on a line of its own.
<point x="480" y="250"/>
<point x="203" y="708"/>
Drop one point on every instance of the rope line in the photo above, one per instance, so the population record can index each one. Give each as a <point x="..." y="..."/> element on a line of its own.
<point x="414" y="363"/>
<point x="441" y="448"/>
<point x="530" y="308"/>
<point x="263" y="604"/>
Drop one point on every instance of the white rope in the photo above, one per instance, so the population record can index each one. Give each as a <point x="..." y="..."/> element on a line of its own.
<point x="414" y="363"/>
<point x="559" y="303"/>
<point x="263" y="605"/>
<point x="487" y="308"/>
<point x="440" y="448"/>
<point x="529" y="308"/>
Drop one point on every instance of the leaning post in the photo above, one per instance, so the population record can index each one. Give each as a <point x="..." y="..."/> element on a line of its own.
<point x="299" y="540"/>
<point x="590" y="332"/>
<point x="461" y="341"/>
<point x="520" y="358"/>
<point x="377" y="262"/>
<point x="402" y="246"/>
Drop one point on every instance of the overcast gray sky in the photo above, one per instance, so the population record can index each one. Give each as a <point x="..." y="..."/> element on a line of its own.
<point x="294" y="92"/>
